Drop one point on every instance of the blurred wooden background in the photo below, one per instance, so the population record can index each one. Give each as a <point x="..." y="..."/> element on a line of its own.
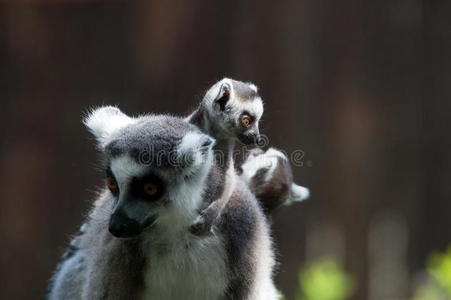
<point x="362" y="87"/>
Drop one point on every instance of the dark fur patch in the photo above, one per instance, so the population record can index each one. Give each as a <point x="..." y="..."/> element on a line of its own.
<point x="130" y="262"/>
<point x="198" y="117"/>
<point x="273" y="193"/>
<point x="223" y="97"/>
<point x="237" y="225"/>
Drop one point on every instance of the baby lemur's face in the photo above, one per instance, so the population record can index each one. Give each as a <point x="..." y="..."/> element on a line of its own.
<point x="235" y="110"/>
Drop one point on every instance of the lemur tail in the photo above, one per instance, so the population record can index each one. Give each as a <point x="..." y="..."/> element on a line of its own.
<point x="297" y="194"/>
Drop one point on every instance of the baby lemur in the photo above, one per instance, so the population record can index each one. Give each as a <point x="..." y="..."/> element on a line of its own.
<point x="231" y="110"/>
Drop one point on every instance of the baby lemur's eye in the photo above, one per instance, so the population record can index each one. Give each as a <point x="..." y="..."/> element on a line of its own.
<point x="246" y="121"/>
<point x="151" y="189"/>
<point x="112" y="184"/>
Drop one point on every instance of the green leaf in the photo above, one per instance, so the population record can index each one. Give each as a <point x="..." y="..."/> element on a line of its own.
<point x="439" y="267"/>
<point x="325" y="280"/>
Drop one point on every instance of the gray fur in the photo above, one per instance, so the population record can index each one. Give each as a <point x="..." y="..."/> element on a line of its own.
<point x="244" y="91"/>
<point x="164" y="260"/>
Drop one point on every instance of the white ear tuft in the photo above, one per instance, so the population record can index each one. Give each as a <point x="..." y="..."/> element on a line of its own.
<point x="298" y="193"/>
<point x="104" y="121"/>
<point x="194" y="142"/>
<point x="194" y="147"/>
<point x="253" y="87"/>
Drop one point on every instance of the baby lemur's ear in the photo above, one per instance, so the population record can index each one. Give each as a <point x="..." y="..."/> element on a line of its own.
<point x="104" y="121"/>
<point x="223" y="96"/>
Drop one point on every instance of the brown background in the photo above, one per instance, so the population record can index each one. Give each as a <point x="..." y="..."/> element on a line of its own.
<point x="362" y="87"/>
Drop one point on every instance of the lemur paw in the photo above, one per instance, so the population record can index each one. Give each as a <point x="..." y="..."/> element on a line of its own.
<point x="201" y="227"/>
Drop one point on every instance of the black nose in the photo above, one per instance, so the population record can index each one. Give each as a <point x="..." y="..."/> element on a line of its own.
<point x="249" y="138"/>
<point x="122" y="226"/>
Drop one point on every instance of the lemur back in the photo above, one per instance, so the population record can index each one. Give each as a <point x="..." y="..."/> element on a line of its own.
<point x="136" y="242"/>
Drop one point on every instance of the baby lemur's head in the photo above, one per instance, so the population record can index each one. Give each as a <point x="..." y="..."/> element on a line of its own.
<point x="233" y="110"/>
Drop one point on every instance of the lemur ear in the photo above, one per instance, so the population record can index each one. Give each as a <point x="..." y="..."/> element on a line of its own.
<point x="223" y="96"/>
<point x="298" y="193"/>
<point x="193" y="145"/>
<point x="104" y="121"/>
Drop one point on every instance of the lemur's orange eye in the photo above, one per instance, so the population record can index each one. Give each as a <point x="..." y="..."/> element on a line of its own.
<point x="245" y="121"/>
<point x="150" y="189"/>
<point x="111" y="183"/>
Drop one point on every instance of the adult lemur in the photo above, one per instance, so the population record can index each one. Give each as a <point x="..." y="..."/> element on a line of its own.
<point x="231" y="110"/>
<point x="136" y="243"/>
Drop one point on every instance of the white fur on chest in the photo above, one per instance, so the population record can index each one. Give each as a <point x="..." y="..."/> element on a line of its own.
<point x="193" y="268"/>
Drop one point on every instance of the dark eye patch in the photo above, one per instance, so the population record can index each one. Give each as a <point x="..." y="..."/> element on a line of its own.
<point x="108" y="172"/>
<point x="111" y="179"/>
<point x="139" y="187"/>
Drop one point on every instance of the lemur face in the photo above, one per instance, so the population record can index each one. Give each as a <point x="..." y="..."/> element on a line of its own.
<point x="236" y="109"/>
<point x="153" y="166"/>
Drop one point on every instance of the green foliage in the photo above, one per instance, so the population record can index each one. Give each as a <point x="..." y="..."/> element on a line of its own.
<point x="438" y="286"/>
<point x="439" y="267"/>
<point x="325" y="280"/>
<point x="429" y="292"/>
